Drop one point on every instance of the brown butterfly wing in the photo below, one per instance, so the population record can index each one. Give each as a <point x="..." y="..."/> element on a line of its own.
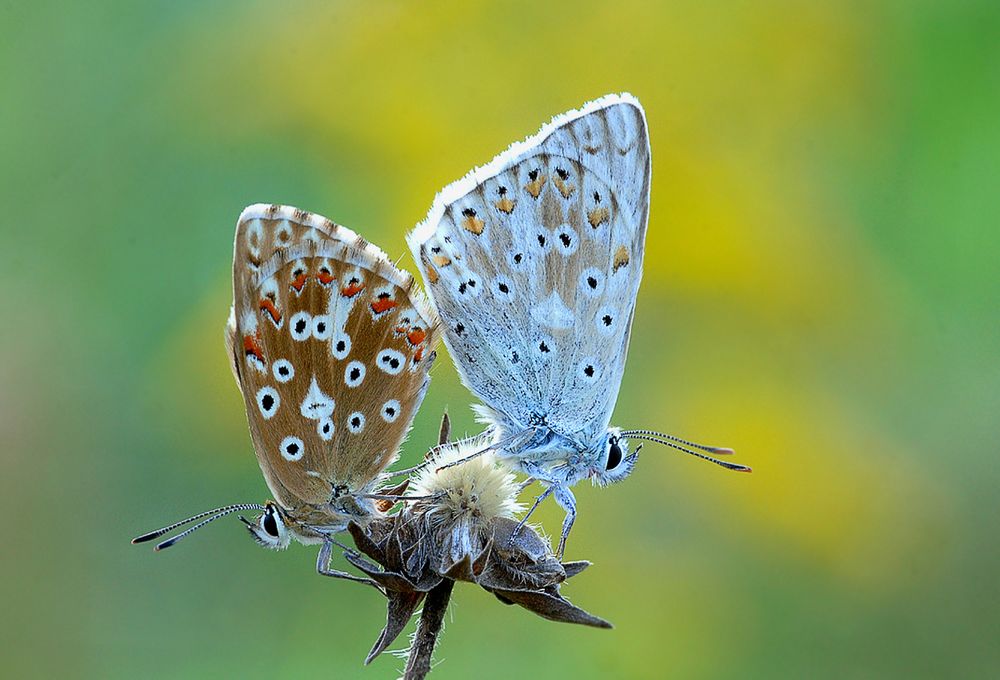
<point x="331" y="347"/>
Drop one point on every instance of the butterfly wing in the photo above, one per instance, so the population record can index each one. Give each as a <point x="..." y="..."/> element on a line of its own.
<point x="331" y="346"/>
<point x="534" y="262"/>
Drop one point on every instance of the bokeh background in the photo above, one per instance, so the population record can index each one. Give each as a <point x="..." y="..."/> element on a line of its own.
<point x="821" y="293"/>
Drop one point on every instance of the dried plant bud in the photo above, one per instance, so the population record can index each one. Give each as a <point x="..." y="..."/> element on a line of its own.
<point x="463" y="529"/>
<point x="471" y="492"/>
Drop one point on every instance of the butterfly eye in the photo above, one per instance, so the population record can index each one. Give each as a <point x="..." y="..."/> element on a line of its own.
<point x="269" y="524"/>
<point x="614" y="454"/>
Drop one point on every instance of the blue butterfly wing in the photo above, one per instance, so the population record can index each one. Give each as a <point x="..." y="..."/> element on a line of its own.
<point x="534" y="262"/>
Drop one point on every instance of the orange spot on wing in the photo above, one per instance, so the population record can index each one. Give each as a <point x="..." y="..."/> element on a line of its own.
<point x="534" y="187"/>
<point x="565" y="188"/>
<point x="419" y="354"/>
<point x="326" y="278"/>
<point x="621" y="258"/>
<point x="598" y="216"/>
<point x="473" y="224"/>
<point x="267" y="305"/>
<point x="299" y="281"/>
<point x="352" y="289"/>
<point x="416" y="336"/>
<point x="505" y="205"/>
<point x="383" y="305"/>
<point x="250" y="347"/>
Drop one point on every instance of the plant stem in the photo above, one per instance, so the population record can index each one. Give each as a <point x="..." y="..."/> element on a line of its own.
<point x="418" y="665"/>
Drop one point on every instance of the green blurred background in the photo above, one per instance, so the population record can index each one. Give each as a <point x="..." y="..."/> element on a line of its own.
<point x="821" y="293"/>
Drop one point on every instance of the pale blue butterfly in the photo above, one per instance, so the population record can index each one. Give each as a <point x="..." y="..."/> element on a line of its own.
<point x="533" y="262"/>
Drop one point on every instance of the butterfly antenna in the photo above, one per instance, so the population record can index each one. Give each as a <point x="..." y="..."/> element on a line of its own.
<point x="215" y="514"/>
<point x="717" y="450"/>
<point x="672" y="443"/>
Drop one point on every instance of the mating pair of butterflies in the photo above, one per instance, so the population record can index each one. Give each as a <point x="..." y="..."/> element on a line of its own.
<point x="533" y="263"/>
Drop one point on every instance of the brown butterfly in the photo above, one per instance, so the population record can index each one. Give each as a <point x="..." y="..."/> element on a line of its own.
<point x="331" y="346"/>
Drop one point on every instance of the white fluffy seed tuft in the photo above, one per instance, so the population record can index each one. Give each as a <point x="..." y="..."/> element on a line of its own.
<point x="476" y="490"/>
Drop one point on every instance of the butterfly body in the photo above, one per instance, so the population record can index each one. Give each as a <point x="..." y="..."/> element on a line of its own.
<point x="546" y="454"/>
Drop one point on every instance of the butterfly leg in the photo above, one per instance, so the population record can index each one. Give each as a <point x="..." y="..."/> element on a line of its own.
<point x="566" y="501"/>
<point x="524" y="520"/>
<point x="525" y="484"/>
<point x="323" y="566"/>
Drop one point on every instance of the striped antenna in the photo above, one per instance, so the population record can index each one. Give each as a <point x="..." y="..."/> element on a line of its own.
<point x="717" y="450"/>
<point x="211" y="514"/>
<point x="676" y="443"/>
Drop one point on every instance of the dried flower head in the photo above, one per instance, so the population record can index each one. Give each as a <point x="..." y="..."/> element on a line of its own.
<point x="459" y="502"/>
<point x="463" y="529"/>
<point x="472" y="492"/>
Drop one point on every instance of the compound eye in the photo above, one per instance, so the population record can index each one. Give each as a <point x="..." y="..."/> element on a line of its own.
<point x="614" y="455"/>
<point x="269" y="523"/>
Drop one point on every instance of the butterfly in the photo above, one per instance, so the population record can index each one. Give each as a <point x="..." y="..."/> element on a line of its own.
<point x="331" y="346"/>
<point x="533" y="262"/>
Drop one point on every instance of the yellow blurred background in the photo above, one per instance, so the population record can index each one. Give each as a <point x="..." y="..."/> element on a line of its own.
<point x="821" y="293"/>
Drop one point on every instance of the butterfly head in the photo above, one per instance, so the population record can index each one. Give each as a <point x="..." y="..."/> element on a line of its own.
<point x="615" y="462"/>
<point x="269" y="528"/>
